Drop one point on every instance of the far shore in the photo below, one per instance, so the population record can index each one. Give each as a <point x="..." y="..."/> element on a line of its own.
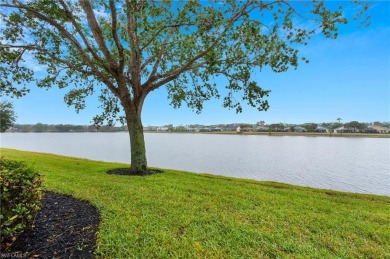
<point x="287" y="134"/>
<point x="301" y="134"/>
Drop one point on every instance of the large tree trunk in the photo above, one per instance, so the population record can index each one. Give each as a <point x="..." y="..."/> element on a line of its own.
<point x="137" y="142"/>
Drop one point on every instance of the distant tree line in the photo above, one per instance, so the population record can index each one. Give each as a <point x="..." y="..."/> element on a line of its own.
<point x="329" y="127"/>
<point x="352" y="126"/>
<point x="40" y="127"/>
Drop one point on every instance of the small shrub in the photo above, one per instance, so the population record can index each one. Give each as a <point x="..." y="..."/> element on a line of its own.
<point x="20" y="197"/>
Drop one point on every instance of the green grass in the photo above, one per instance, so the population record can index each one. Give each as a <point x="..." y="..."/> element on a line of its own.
<point x="181" y="214"/>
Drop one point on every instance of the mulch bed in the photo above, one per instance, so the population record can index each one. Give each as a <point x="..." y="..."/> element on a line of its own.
<point x="65" y="227"/>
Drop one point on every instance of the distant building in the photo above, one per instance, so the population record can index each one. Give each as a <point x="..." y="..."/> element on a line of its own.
<point x="246" y="129"/>
<point x="377" y="129"/>
<point x="343" y="129"/>
<point x="191" y="129"/>
<point x="321" y="129"/>
<point x="338" y="130"/>
<point x="162" y="129"/>
<point x="150" y="128"/>
<point x="299" y="129"/>
<point x="231" y="127"/>
<point x="262" y="128"/>
<point x="382" y="130"/>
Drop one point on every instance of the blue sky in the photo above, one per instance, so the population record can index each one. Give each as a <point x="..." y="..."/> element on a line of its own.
<point x="347" y="78"/>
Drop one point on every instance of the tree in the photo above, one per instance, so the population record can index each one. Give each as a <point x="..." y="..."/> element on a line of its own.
<point x="127" y="49"/>
<point x="362" y="126"/>
<point x="311" y="127"/>
<point x="39" y="127"/>
<point x="7" y="115"/>
<point x="382" y="124"/>
<point x="276" y="127"/>
<point x="339" y="120"/>
<point x="332" y="126"/>
<point x="246" y="126"/>
<point x="180" y="128"/>
<point x="355" y="125"/>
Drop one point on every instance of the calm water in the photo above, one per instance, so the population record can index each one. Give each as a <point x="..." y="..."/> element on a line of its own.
<point x="346" y="164"/>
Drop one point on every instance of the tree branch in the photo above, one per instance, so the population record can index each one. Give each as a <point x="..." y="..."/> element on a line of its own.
<point x="297" y="13"/>
<point x="159" y="56"/>
<point x="8" y="46"/>
<point x="68" y="36"/>
<point x="160" y="30"/>
<point x="23" y="49"/>
<point x="93" y="71"/>
<point x="135" y="51"/>
<point x="161" y="53"/>
<point x="141" y="5"/>
<point x="97" y="33"/>
<point x="83" y="37"/>
<point x="61" y="29"/>
<point x="171" y="75"/>
<point x="114" y="29"/>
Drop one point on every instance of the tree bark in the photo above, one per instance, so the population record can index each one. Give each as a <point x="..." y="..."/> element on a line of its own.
<point x="137" y="142"/>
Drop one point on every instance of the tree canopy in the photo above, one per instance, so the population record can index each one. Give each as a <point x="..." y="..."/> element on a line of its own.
<point x="311" y="127"/>
<point x="7" y="115"/>
<point x="180" y="44"/>
<point x="127" y="49"/>
<point x="276" y="127"/>
<point x="355" y="125"/>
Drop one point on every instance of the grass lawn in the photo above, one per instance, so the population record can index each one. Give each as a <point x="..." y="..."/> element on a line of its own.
<point x="181" y="214"/>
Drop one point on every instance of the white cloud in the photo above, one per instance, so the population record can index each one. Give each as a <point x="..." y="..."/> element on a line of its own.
<point x="101" y="13"/>
<point x="30" y="62"/>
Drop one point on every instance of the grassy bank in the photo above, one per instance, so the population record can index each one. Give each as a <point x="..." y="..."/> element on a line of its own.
<point x="180" y="214"/>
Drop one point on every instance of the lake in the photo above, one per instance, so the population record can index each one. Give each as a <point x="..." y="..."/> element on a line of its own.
<point x="347" y="164"/>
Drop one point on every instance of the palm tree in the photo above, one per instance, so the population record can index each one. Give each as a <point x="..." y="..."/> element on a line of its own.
<point x="339" y="120"/>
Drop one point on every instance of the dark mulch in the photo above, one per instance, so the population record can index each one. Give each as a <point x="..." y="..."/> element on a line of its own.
<point x="65" y="227"/>
<point x="128" y="171"/>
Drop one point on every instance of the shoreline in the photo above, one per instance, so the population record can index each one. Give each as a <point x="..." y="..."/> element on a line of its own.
<point x="272" y="134"/>
<point x="204" y="174"/>
<point x="285" y="134"/>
